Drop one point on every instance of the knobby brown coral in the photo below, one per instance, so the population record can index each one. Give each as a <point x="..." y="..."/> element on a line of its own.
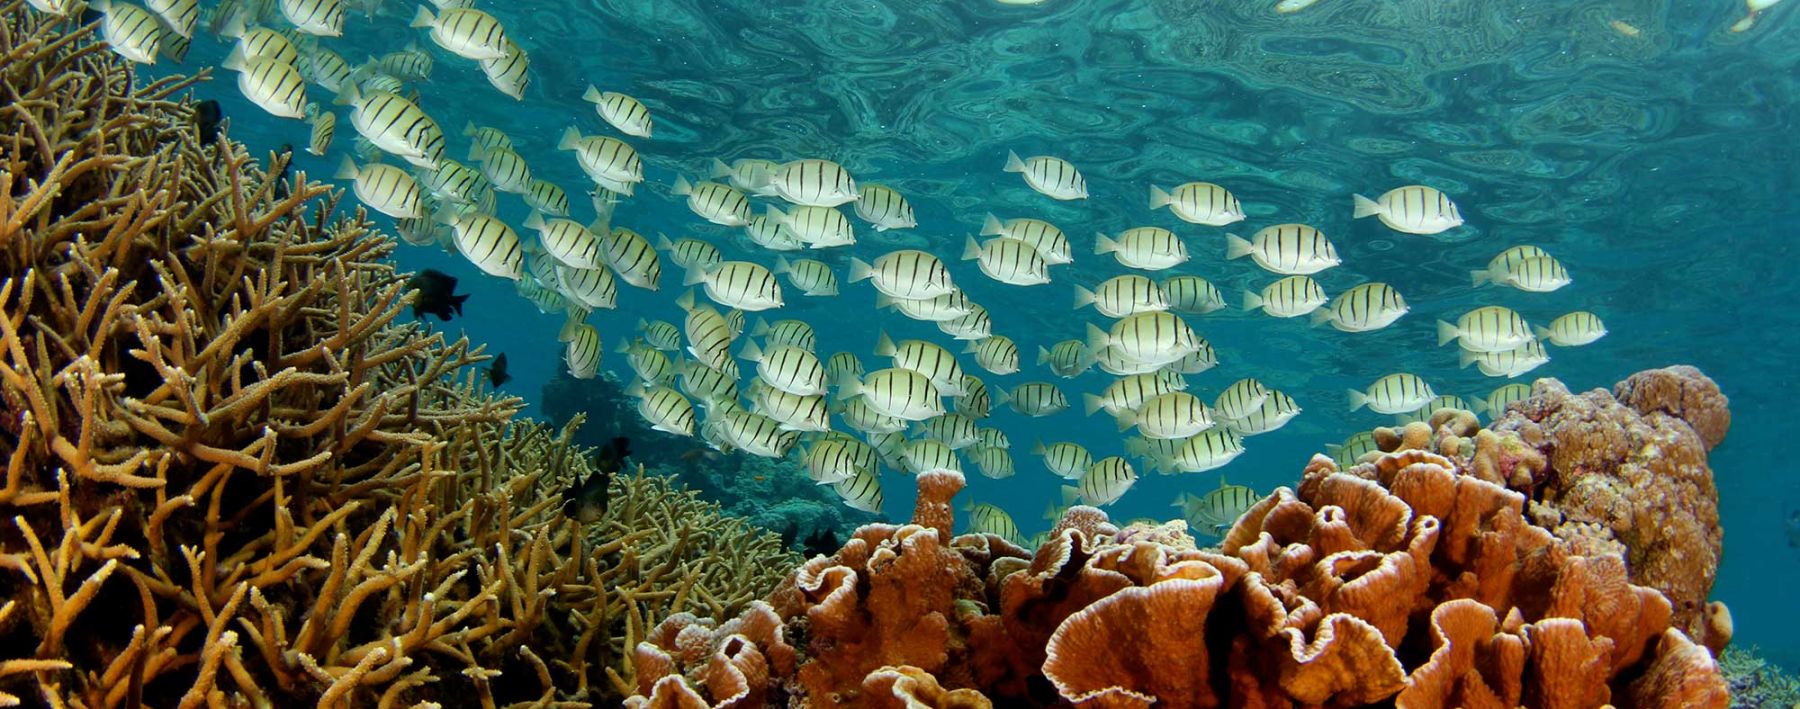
<point x="1406" y="579"/>
<point x="234" y="477"/>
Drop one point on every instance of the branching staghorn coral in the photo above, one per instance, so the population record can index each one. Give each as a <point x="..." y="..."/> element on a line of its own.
<point x="233" y="476"/>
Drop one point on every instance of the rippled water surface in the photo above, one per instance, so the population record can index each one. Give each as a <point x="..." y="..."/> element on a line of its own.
<point x="1659" y="167"/>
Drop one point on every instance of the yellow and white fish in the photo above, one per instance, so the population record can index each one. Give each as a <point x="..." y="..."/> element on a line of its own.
<point x="1121" y="296"/>
<point x="1414" y="209"/>
<point x="714" y="202"/>
<point x="771" y="234"/>
<point x="1068" y="461"/>
<point x="609" y="162"/>
<point x="938" y="365"/>
<point x="1276" y="411"/>
<point x="1050" y="241"/>
<point x="1393" y="394"/>
<point x="788" y="368"/>
<point x="749" y="174"/>
<point x="1130" y="391"/>
<point x="1033" y="399"/>
<point x="319" y="18"/>
<point x="324" y="128"/>
<point x="395" y="125"/>
<point x="660" y="335"/>
<point x="1208" y="450"/>
<point x="740" y="285"/>
<point x="1289" y="297"/>
<point x="547" y="197"/>
<point x="566" y="240"/>
<point x="944" y="308"/>
<point x="509" y="73"/>
<point x="1176" y="414"/>
<point x="582" y="353"/>
<point x="1192" y="294"/>
<point x="1486" y="329"/>
<point x="624" y="113"/>
<point x="131" y="31"/>
<point x="1052" y="177"/>
<point x="1153" y="338"/>
<point x="1150" y="248"/>
<point x="1572" y="330"/>
<point x="862" y="492"/>
<point x="1288" y="249"/>
<point x="813" y="278"/>
<point x="181" y="15"/>
<point x="884" y="208"/>
<point x="1510" y="363"/>
<point x="997" y="354"/>
<point x="1008" y="261"/>
<point x="505" y="169"/>
<point x="465" y="32"/>
<point x="954" y="430"/>
<point x="258" y="42"/>
<point x="817" y="227"/>
<point x="1367" y="307"/>
<point x="1502" y="398"/>
<point x="384" y="188"/>
<point x="786" y="332"/>
<point x="487" y="242"/>
<point x="630" y="255"/>
<point x="272" y="85"/>
<point x="663" y="408"/>
<point x="993" y="463"/>
<point x="814" y="183"/>
<point x="1199" y="203"/>
<point x="1536" y="274"/>
<point x="1239" y="400"/>
<point x="907" y="274"/>
<point x="901" y="393"/>
<point x="795" y="412"/>
<point x="972" y="326"/>
<point x="1067" y="359"/>
<point x="689" y="253"/>
<point x="1104" y="482"/>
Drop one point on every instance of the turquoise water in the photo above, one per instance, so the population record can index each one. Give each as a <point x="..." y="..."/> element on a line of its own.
<point x="1659" y="168"/>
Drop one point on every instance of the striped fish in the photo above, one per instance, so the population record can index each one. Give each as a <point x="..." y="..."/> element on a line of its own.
<point x="814" y="183"/>
<point x="908" y="274"/>
<point x="996" y="353"/>
<point x="649" y="363"/>
<point x="992" y="463"/>
<point x="1288" y="249"/>
<point x="786" y="332"/>
<point x="1414" y="209"/>
<point x="1192" y="294"/>
<point x="488" y="243"/>
<point x="1111" y="361"/>
<point x="624" y="113"/>
<point x="592" y="287"/>
<point x="1444" y="402"/>
<point x="259" y="42"/>
<point x="1538" y="274"/>
<point x="716" y="203"/>
<point x="832" y="460"/>
<point x="1502" y="398"/>
<point x="972" y="326"/>
<point x="952" y="429"/>
<point x="859" y="415"/>
<point x="454" y="182"/>
<point x="740" y="285"/>
<point x="566" y="241"/>
<point x="924" y="454"/>
<point x="582" y="354"/>
<point x="325" y="68"/>
<point x="1149" y="248"/>
<point x="884" y="208"/>
<point x="988" y="519"/>
<point x="324" y="128"/>
<point x="273" y="86"/>
<point x="1370" y="306"/>
<point x="1034" y="399"/>
<point x="180" y="15"/>
<point x="1008" y="261"/>
<point x="505" y="170"/>
<point x="320" y="18"/>
<point x="1276" y="411"/>
<point x="689" y="253"/>
<point x="1199" y="203"/>
<point x="927" y="358"/>
<point x="1176" y="414"/>
<point x="1052" y="177"/>
<point x="791" y="369"/>
<point x="546" y="197"/>
<point x="509" y="73"/>
<point x="1123" y="296"/>
<point x="1104" y="482"/>
<point x="757" y="434"/>
<point x="1490" y="328"/>
<point x="862" y="492"/>
<point x="1066" y="460"/>
<point x="1218" y="510"/>
<point x="1355" y="447"/>
<point x="174" y="46"/>
<point x="901" y="393"/>
<point x="1289" y="297"/>
<point x="609" y="162"/>
<point x="771" y="234"/>
<point x="1049" y="241"/>
<point x="817" y="227"/>
<point x="385" y="188"/>
<point x="1241" y="398"/>
<point x="663" y="408"/>
<point x="1207" y="450"/>
<point x="749" y="174"/>
<point x="631" y="256"/>
<point x="794" y="412"/>
<point x="975" y="401"/>
<point x="1067" y="359"/>
<point x="1154" y="338"/>
<point x="1129" y="392"/>
<point x="396" y="125"/>
<point x="660" y="335"/>
<point x="734" y="319"/>
<point x="131" y="31"/>
<point x="1510" y="363"/>
<point x="465" y="32"/>
<point x="411" y="63"/>
<point x="811" y="277"/>
<point x="1393" y="394"/>
<point x="1198" y="361"/>
<point x="1572" y="330"/>
<point x="487" y="137"/>
<point x="843" y="364"/>
<point x="943" y="308"/>
<point x="709" y="386"/>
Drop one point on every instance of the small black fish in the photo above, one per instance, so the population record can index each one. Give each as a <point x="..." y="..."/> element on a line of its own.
<point x="89" y="15"/>
<point x="1793" y="526"/>
<point x="586" y="500"/>
<point x="497" y="371"/>
<point x="207" y="115"/>
<point x="822" y="542"/>
<point x="281" y="179"/>
<point x="435" y="294"/>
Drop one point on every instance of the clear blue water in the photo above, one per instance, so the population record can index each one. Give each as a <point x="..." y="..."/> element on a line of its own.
<point x="1661" y="169"/>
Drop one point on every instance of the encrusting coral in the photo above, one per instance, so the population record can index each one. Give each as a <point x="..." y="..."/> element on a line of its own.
<point x="1413" y="578"/>
<point x="233" y="476"/>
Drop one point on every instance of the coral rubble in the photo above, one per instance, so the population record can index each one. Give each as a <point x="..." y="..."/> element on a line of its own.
<point x="1415" y="578"/>
<point x="234" y="476"/>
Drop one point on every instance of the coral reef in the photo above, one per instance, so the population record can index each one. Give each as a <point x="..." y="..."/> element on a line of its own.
<point x="1756" y="684"/>
<point x="1407" y="579"/>
<point x="233" y="476"/>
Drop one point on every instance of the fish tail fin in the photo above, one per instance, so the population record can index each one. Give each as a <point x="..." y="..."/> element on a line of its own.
<point x="1043" y="355"/>
<point x="1321" y="316"/>
<point x="1237" y="247"/>
<point x="346" y="169"/>
<point x="1358" y="400"/>
<point x="1252" y="301"/>
<point x="1013" y="163"/>
<point x="971" y="249"/>
<point x="1104" y="244"/>
<point x="592" y="95"/>
<point x="1083" y="298"/>
<point x="1447" y="333"/>
<point x="570" y="139"/>
<point x="1364" y="207"/>
<point x="720" y="168"/>
<point x="860" y="270"/>
<point x="1092" y="403"/>
<point x="1070" y="495"/>
<point x="1097" y="338"/>
<point x="884" y="347"/>
<point x="1159" y="198"/>
<point x="1464" y="358"/>
<point x="1540" y="332"/>
<point x="1479" y="278"/>
<point x="423" y="18"/>
<point x="991" y="226"/>
<point x="534" y="222"/>
<point x="683" y="187"/>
